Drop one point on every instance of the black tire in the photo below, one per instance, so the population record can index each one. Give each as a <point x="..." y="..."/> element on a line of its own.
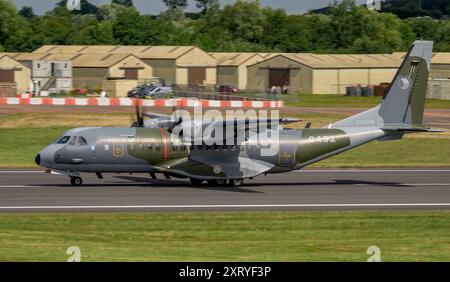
<point x="217" y="182"/>
<point x="196" y="181"/>
<point x="236" y="182"/>
<point x="76" y="181"/>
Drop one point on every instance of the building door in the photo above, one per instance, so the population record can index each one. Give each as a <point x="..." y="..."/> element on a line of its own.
<point x="131" y="74"/>
<point x="6" y="75"/>
<point x="196" y="76"/>
<point x="279" y="77"/>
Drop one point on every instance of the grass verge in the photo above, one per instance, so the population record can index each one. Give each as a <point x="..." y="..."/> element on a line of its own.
<point x="226" y="236"/>
<point x="341" y="101"/>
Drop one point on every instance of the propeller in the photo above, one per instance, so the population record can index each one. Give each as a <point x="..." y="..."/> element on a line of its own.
<point x="139" y="109"/>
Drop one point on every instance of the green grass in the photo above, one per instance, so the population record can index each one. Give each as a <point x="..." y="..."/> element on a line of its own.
<point x="19" y="146"/>
<point x="409" y="152"/>
<point x="226" y="236"/>
<point x="336" y="101"/>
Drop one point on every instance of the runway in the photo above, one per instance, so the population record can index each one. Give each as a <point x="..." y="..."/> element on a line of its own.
<point x="376" y="189"/>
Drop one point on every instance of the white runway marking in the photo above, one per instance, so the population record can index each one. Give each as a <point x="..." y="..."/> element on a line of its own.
<point x="20" y="171"/>
<point x="18" y="186"/>
<point x="224" y="206"/>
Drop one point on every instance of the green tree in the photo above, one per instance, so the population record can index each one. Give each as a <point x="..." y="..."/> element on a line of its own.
<point x="244" y="20"/>
<point x="172" y="4"/>
<point x="100" y="33"/>
<point x="123" y="2"/>
<point x="27" y="12"/>
<point x="14" y="29"/>
<point x="423" y="28"/>
<point x="204" y="5"/>
<point x="442" y="37"/>
<point x="86" y="7"/>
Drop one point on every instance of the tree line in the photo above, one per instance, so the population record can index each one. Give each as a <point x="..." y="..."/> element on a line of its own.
<point x="244" y="26"/>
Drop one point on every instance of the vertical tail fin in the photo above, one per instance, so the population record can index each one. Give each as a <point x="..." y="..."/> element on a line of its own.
<point x="403" y="105"/>
<point x="405" y="100"/>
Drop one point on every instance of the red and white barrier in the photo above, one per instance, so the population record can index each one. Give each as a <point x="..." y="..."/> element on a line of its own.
<point x="24" y="95"/>
<point x="131" y="102"/>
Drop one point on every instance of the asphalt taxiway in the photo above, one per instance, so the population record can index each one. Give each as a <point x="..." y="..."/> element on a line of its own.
<point x="32" y="191"/>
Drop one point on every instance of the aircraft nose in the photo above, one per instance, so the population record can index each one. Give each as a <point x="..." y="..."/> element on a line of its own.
<point x="37" y="159"/>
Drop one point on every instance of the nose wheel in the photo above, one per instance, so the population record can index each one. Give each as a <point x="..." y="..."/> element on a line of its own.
<point x="236" y="182"/>
<point x="76" y="181"/>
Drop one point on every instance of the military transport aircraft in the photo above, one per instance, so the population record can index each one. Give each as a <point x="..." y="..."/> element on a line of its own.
<point x="156" y="147"/>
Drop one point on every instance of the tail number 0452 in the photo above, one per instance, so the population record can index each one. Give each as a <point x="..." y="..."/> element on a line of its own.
<point x="322" y="139"/>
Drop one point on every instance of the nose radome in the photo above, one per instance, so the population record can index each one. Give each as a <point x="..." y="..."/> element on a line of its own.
<point x="37" y="159"/>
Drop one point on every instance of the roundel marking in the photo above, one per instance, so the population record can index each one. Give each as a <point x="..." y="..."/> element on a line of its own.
<point x="404" y="83"/>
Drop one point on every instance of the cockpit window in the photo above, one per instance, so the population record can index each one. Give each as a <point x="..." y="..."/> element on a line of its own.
<point x="73" y="140"/>
<point x="81" y="141"/>
<point x="63" y="140"/>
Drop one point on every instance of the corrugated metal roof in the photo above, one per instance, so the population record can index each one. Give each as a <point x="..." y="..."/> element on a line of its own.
<point x="98" y="60"/>
<point x="437" y="58"/>
<point x="345" y="61"/>
<point x="9" y="54"/>
<point x="441" y="58"/>
<point x="77" y="59"/>
<point x="29" y="56"/>
<point x="143" y="52"/>
<point x="234" y="59"/>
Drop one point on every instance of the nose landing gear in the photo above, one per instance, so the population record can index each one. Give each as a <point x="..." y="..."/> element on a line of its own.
<point x="236" y="182"/>
<point x="76" y="181"/>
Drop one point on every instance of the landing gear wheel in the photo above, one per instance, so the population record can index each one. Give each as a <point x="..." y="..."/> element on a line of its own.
<point x="76" y="181"/>
<point x="236" y="182"/>
<point x="217" y="182"/>
<point x="196" y="181"/>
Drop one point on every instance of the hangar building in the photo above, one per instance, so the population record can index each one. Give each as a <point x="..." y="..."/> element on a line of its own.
<point x="47" y="74"/>
<point x="440" y="66"/>
<point x="90" y="70"/>
<point x="181" y="65"/>
<point x="232" y="67"/>
<point x="321" y="73"/>
<point x="14" y="76"/>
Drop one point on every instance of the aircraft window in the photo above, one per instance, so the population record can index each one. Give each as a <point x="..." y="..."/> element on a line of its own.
<point x="81" y="141"/>
<point x="63" y="140"/>
<point x="158" y="147"/>
<point x="73" y="140"/>
<point x="149" y="147"/>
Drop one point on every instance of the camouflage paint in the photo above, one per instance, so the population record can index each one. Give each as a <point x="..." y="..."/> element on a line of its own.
<point x="155" y="146"/>
<point x="321" y="141"/>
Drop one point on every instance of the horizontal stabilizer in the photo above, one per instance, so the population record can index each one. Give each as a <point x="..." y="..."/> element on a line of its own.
<point x="412" y="129"/>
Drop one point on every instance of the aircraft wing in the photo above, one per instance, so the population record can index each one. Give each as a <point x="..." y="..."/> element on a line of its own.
<point x="233" y="167"/>
<point x="241" y="128"/>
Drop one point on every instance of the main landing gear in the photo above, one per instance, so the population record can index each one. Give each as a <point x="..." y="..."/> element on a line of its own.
<point x="219" y="182"/>
<point x="76" y="181"/>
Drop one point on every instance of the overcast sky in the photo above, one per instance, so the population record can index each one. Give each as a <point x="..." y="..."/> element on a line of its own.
<point x="156" y="6"/>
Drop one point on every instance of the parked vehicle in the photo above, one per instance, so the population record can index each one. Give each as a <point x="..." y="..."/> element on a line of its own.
<point x="149" y="91"/>
<point x="228" y="89"/>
